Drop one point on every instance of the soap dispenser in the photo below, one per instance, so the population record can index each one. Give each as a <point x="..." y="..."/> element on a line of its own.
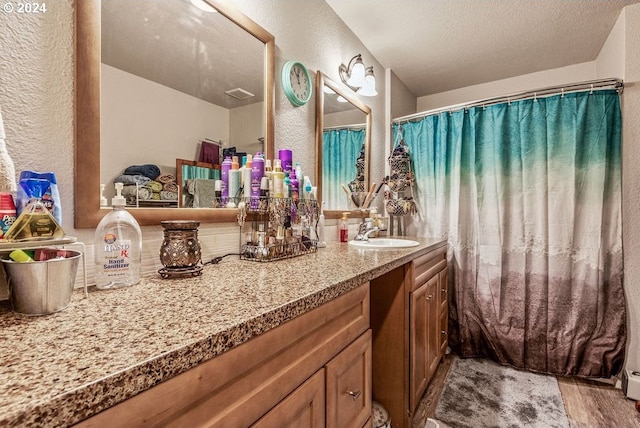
<point x="118" y="246"/>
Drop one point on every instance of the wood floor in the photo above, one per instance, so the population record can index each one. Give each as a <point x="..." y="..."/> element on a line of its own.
<point x="589" y="404"/>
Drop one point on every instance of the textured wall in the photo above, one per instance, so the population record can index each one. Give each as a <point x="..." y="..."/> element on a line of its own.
<point x="631" y="181"/>
<point x="36" y="93"/>
<point x="300" y="29"/>
<point x="556" y="76"/>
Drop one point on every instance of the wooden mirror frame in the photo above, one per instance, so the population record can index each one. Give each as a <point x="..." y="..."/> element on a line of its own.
<point x="321" y="81"/>
<point x="88" y="212"/>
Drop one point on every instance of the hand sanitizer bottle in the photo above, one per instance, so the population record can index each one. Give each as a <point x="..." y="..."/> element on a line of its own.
<point x="118" y="247"/>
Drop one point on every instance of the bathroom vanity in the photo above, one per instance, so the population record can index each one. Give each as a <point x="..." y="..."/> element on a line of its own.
<point x="307" y="341"/>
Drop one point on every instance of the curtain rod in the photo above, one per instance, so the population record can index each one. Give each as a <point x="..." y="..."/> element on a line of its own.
<point x="353" y="127"/>
<point x="616" y="84"/>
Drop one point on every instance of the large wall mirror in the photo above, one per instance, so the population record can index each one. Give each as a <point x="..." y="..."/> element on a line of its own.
<point x="157" y="83"/>
<point x="343" y="146"/>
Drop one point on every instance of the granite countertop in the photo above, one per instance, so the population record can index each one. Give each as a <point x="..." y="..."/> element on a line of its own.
<point x="102" y="349"/>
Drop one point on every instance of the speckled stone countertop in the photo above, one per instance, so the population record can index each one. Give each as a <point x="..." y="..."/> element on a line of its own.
<point x="62" y="368"/>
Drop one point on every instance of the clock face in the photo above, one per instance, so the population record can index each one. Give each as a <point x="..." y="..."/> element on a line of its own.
<point x="299" y="83"/>
<point x="296" y="83"/>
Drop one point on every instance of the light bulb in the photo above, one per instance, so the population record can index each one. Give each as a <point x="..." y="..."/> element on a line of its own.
<point x="356" y="75"/>
<point x="369" y="87"/>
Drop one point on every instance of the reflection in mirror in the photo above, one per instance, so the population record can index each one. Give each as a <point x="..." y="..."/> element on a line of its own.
<point x="153" y="86"/>
<point x="343" y="133"/>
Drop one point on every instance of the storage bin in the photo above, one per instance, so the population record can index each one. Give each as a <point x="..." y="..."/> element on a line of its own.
<point x="42" y="287"/>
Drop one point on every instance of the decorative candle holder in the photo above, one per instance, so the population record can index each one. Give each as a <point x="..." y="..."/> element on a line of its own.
<point x="180" y="252"/>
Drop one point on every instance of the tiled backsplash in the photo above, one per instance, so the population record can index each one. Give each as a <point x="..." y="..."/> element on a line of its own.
<point x="215" y="240"/>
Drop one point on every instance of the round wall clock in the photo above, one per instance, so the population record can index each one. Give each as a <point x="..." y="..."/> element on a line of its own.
<point x="296" y="83"/>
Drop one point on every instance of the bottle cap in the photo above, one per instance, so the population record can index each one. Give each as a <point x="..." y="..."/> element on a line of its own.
<point x="118" y="200"/>
<point x="6" y="202"/>
<point x="103" y="200"/>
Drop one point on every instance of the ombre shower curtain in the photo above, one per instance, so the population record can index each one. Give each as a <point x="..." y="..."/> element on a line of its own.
<point x="528" y="195"/>
<point x="340" y="150"/>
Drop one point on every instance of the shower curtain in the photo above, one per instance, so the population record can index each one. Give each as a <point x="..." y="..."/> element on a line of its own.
<point x="528" y="195"/>
<point x="340" y="150"/>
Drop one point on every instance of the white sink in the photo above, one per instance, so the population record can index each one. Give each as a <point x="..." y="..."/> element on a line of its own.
<point x="384" y="243"/>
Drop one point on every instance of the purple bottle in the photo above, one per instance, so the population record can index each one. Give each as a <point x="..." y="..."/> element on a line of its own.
<point x="286" y="159"/>
<point x="226" y="166"/>
<point x="257" y="172"/>
<point x="294" y="186"/>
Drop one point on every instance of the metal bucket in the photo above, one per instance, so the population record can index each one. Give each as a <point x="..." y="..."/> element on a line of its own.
<point x="42" y="287"/>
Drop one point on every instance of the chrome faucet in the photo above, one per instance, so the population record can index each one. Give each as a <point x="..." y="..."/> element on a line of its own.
<point x="365" y="230"/>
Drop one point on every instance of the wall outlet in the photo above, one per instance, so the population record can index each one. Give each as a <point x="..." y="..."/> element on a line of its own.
<point x="631" y="384"/>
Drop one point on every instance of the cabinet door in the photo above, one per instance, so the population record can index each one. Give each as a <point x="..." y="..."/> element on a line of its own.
<point x="433" y="327"/>
<point x="349" y="385"/>
<point x="303" y="408"/>
<point x="420" y="337"/>
<point x="444" y="313"/>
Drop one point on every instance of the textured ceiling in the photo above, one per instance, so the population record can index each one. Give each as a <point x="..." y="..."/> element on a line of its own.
<point x="439" y="45"/>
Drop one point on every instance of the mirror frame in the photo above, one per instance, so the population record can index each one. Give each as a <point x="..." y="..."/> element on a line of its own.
<point x="321" y="81"/>
<point x="87" y="210"/>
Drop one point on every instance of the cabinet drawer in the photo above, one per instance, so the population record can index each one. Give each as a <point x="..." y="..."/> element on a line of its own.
<point x="349" y="385"/>
<point x="303" y="408"/>
<point x="427" y="266"/>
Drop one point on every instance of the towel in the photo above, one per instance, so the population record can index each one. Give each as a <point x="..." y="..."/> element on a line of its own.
<point x="154" y="186"/>
<point x="168" y="196"/>
<point x="170" y="187"/>
<point x="155" y="196"/>
<point x="132" y="179"/>
<point x="166" y="178"/>
<point x="202" y="191"/>
<point x="130" y="191"/>
<point x="148" y="170"/>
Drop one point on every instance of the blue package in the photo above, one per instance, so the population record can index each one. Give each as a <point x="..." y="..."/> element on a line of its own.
<point x="50" y="199"/>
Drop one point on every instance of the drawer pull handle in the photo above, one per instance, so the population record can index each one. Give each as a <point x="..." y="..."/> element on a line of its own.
<point x="444" y="332"/>
<point x="429" y="297"/>
<point x="354" y="395"/>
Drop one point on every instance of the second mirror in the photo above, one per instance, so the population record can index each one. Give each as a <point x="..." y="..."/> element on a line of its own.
<point x="343" y="135"/>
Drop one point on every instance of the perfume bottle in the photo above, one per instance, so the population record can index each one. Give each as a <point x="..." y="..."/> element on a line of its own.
<point x="35" y="222"/>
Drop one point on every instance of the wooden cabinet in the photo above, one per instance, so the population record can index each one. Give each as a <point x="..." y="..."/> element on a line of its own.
<point x="409" y="322"/>
<point x="281" y="371"/>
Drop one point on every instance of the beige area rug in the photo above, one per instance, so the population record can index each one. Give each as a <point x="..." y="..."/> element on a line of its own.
<point x="481" y="393"/>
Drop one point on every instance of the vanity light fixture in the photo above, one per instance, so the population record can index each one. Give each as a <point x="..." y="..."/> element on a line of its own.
<point x="203" y="5"/>
<point x="358" y="77"/>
